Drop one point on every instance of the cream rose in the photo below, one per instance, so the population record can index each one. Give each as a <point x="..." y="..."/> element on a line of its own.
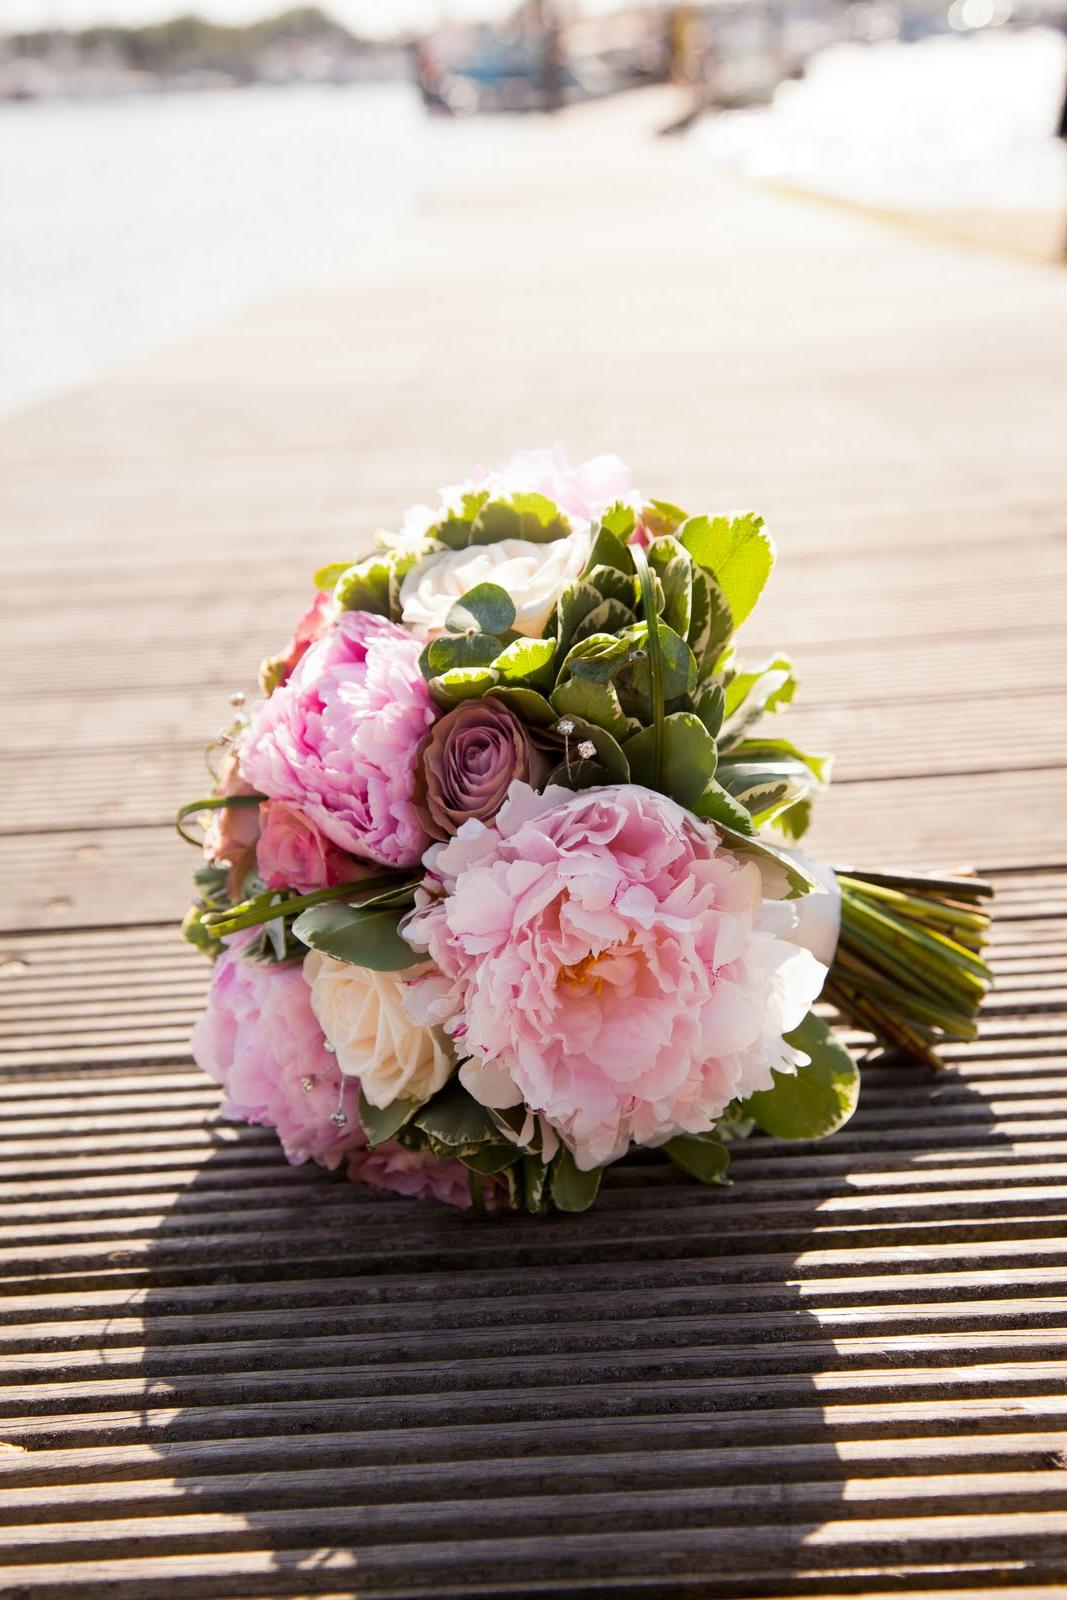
<point x="362" y="1015"/>
<point x="532" y="574"/>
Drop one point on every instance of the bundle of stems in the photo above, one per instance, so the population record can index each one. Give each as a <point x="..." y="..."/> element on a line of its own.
<point x="909" y="965"/>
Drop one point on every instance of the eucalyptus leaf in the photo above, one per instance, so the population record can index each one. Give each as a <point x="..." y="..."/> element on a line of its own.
<point x="738" y="551"/>
<point x="364" y="936"/>
<point x="452" y="650"/>
<point x="689" y="758"/>
<point x="572" y="1189"/>
<point x="819" y="1098"/>
<point x="701" y="1155"/>
<point x="487" y="608"/>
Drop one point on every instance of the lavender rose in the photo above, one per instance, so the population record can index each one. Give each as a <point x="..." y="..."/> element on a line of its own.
<point x="466" y="763"/>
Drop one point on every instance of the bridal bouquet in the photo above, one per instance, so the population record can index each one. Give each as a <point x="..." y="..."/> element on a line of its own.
<point x="501" y="874"/>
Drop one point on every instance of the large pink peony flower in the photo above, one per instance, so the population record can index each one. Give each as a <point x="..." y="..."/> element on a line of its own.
<point x="603" y="962"/>
<point x="340" y="739"/>
<point x="259" y="1039"/>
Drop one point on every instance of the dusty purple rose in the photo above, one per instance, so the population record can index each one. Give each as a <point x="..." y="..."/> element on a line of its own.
<point x="467" y="761"/>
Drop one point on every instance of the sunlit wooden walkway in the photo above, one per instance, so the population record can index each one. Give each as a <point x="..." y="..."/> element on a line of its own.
<point x="846" y="1374"/>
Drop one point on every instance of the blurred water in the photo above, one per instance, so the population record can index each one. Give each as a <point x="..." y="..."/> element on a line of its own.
<point x="127" y="223"/>
<point x="946" y="124"/>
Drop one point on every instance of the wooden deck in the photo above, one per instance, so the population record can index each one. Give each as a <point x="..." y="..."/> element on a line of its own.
<point x="845" y="1375"/>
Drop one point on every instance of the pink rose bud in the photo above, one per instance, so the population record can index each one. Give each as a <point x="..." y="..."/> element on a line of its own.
<point x="293" y="854"/>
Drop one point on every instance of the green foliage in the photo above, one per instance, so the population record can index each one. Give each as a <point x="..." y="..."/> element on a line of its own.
<point x="452" y="650"/>
<point x="701" y="1155"/>
<point x="485" y="609"/>
<point x="365" y="586"/>
<point x="454" y="1124"/>
<point x="819" y="1098"/>
<point x="463" y="683"/>
<point x="364" y="936"/>
<point x="688" y="758"/>
<point x="750" y="694"/>
<point x="385" y="1122"/>
<point x="526" y="661"/>
<point x="572" y="1189"/>
<point x="738" y="552"/>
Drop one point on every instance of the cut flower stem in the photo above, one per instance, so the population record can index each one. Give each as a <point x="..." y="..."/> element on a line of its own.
<point x="908" y="965"/>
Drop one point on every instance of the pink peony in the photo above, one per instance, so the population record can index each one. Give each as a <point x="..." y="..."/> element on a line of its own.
<point x="413" y="1172"/>
<point x="340" y="739"/>
<point x="603" y="963"/>
<point x="292" y="853"/>
<point x="276" y="670"/>
<point x="259" y="1039"/>
<point x="583" y="492"/>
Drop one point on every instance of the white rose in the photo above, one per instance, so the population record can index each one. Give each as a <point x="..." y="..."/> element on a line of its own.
<point x="532" y="574"/>
<point x="362" y="1014"/>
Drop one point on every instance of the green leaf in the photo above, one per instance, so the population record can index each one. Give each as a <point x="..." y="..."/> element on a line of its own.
<point x="679" y="667"/>
<point x="596" y="703"/>
<point x="487" y="608"/>
<point x="609" y="753"/>
<point x="327" y="577"/>
<point x="701" y="1155"/>
<point x="364" y="936"/>
<point x="765" y="788"/>
<point x="453" y="650"/>
<point x="710" y="707"/>
<point x="574" y="604"/>
<point x="794" y="822"/>
<point x="660" y="518"/>
<point x="610" y="553"/>
<point x="529" y="706"/>
<point x="384" y="1122"/>
<point x="527" y="661"/>
<point x="750" y="694"/>
<point x="760" y="749"/>
<point x="620" y="520"/>
<point x="598" y="657"/>
<point x="717" y="806"/>
<point x="532" y="517"/>
<point x="454" y="528"/>
<point x="365" y="586"/>
<point x="455" y="1124"/>
<point x="784" y="877"/>
<point x="572" y="1189"/>
<point x="490" y="1158"/>
<point x="611" y="616"/>
<point x="674" y="568"/>
<point x="689" y="758"/>
<point x="739" y="552"/>
<point x="462" y="683"/>
<point x="720" y="627"/>
<point x="535" y="1185"/>
<point x="820" y="1098"/>
<point x="613" y="584"/>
